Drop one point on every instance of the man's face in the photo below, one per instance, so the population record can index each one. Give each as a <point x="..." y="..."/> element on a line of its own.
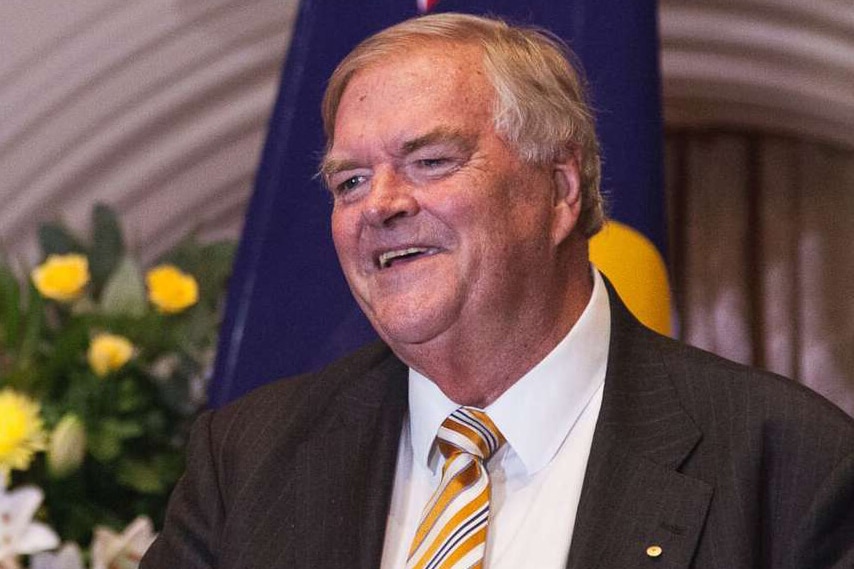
<point x="440" y="228"/>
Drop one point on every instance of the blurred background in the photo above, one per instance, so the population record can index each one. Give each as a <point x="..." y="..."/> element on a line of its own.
<point x="160" y="109"/>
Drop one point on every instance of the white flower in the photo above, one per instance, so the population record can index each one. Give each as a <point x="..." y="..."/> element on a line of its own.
<point x="68" y="557"/>
<point x="19" y="534"/>
<point x="122" y="551"/>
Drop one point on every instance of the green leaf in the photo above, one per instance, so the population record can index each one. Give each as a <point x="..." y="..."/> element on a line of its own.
<point x="122" y="429"/>
<point x="140" y="476"/>
<point x="124" y="292"/>
<point x="33" y="322"/>
<point x="129" y="398"/>
<point x="104" y="445"/>
<point x="198" y="326"/>
<point x="216" y="267"/>
<point x="63" y="359"/>
<point x="10" y="309"/>
<point x="169" y="466"/>
<point x="57" y="240"/>
<point x="83" y="306"/>
<point x="218" y="258"/>
<point x="107" y="244"/>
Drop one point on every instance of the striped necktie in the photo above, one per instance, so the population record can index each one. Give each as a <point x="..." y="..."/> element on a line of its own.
<point x="452" y="532"/>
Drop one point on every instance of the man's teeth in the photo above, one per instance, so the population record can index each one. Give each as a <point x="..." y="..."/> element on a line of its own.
<point x="388" y="257"/>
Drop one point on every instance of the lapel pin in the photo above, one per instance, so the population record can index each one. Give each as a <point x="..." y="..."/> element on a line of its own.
<point x="654" y="551"/>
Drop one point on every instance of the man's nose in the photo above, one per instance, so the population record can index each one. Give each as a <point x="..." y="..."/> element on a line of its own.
<point x="390" y="199"/>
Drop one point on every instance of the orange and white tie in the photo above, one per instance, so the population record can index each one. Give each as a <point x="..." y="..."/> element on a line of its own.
<point x="452" y="532"/>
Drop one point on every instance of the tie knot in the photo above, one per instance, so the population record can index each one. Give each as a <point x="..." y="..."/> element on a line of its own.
<point x="471" y="431"/>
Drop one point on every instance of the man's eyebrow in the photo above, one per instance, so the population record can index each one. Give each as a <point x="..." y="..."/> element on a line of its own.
<point x="462" y="140"/>
<point x="331" y="166"/>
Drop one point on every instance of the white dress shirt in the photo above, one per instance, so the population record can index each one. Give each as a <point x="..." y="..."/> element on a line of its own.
<point x="548" y="418"/>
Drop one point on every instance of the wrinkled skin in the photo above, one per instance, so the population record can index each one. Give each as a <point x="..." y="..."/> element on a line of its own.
<point x="456" y="249"/>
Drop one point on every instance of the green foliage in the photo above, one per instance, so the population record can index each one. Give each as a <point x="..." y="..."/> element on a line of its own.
<point x="107" y="245"/>
<point x="124" y="291"/>
<point x="10" y="314"/>
<point x="136" y="417"/>
<point x="57" y="240"/>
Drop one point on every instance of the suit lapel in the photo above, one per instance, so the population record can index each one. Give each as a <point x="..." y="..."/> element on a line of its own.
<point x="378" y="479"/>
<point x="633" y="496"/>
<point x="346" y="472"/>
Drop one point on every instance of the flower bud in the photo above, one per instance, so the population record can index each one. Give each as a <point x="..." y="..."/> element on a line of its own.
<point x="67" y="446"/>
<point x="108" y="352"/>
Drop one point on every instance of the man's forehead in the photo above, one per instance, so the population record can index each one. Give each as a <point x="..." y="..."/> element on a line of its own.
<point x="434" y="93"/>
<point x="431" y="64"/>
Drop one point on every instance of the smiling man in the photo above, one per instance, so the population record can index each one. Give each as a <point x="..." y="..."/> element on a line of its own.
<point x="514" y="414"/>
<point x="452" y="243"/>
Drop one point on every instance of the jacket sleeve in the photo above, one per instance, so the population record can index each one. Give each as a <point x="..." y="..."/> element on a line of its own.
<point x="195" y="512"/>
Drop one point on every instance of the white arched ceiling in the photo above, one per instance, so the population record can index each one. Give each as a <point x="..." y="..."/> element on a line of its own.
<point x="158" y="108"/>
<point x="785" y="65"/>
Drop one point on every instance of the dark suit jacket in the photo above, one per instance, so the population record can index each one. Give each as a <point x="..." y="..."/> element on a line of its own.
<point x="722" y="466"/>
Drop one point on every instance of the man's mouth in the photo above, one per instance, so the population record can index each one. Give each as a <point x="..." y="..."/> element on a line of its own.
<point x="389" y="258"/>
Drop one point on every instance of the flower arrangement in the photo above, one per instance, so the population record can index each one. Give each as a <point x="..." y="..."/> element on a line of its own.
<point x="102" y="368"/>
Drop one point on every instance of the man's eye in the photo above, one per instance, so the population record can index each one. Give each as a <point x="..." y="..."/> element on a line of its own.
<point x="349" y="184"/>
<point x="432" y="162"/>
<point x="435" y="167"/>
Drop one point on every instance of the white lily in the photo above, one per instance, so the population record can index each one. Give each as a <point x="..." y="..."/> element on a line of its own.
<point x="19" y="534"/>
<point x="122" y="551"/>
<point x="68" y="557"/>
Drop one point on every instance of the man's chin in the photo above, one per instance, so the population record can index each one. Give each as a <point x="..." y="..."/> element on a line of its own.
<point x="404" y="334"/>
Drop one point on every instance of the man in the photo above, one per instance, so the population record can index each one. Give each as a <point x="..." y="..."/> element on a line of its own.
<point x="465" y="173"/>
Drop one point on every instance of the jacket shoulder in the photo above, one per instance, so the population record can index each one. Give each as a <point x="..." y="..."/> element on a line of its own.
<point x="301" y="395"/>
<point x="710" y="388"/>
<point x="709" y="382"/>
<point x="272" y="420"/>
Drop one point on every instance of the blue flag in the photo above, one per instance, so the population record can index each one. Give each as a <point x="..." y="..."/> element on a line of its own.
<point x="289" y="309"/>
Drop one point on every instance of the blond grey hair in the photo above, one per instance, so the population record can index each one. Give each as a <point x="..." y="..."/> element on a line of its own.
<point x="541" y="103"/>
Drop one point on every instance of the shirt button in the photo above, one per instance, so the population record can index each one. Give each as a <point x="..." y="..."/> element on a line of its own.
<point x="654" y="551"/>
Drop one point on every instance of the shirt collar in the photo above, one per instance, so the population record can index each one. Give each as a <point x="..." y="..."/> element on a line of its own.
<point x="537" y="412"/>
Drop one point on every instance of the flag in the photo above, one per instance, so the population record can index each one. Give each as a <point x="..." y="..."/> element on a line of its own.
<point x="289" y="309"/>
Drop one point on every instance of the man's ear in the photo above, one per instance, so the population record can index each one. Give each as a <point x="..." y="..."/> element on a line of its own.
<point x="566" y="180"/>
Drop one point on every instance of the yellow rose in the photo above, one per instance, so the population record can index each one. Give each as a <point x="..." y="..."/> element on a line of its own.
<point x="170" y="289"/>
<point x="62" y="277"/>
<point x="108" y="352"/>
<point x="67" y="446"/>
<point x="22" y="431"/>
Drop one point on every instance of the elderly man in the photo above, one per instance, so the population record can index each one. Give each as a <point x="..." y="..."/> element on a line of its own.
<point x="515" y="414"/>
